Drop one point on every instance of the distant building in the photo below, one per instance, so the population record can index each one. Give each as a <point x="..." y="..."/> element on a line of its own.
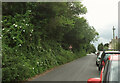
<point x="110" y="45"/>
<point x="113" y="44"/>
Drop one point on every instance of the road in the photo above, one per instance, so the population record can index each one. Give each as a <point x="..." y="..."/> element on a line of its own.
<point x="78" y="70"/>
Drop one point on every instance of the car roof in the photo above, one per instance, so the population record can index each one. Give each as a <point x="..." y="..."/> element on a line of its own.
<point x="112" y="51"/>
<point x="114" y="57"/>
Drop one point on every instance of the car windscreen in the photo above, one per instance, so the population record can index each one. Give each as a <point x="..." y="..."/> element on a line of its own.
<point x="115" y="71"/>
<point x="106" y="56"/>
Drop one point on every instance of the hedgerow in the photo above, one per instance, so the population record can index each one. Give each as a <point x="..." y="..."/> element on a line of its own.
<point x="36" y="37"/>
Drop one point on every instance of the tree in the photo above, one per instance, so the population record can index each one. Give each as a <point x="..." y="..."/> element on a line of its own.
<point x="100" y="47"/>
<point x="81" y="34"/>
<point x="92" y="48"/>
<point x="106" y="46"/>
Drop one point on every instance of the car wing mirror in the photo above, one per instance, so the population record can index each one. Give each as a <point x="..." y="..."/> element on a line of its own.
<point x="94" y="80"/>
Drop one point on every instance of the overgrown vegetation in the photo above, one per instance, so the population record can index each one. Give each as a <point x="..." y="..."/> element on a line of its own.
<point x="37" y="36"/>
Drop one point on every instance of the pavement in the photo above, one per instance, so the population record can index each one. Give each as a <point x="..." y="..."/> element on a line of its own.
<point x="78" y="70"/>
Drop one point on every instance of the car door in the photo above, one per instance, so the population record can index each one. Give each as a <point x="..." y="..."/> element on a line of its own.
<point x="105" y="76"/>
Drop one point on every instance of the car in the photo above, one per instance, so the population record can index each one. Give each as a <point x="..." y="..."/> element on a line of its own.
<point x="104" y="56"/>
<point x="98" y="58"/>
<point x="97" y="53"/>
<point x="110" y="71"/>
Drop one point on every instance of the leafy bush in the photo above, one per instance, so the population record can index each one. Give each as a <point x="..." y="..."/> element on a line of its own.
<point x="17" y="31"/>
<point x="23" y="65"/>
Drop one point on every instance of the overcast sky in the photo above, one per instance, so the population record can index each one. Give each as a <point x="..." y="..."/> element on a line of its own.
<point x="103" y="15"/>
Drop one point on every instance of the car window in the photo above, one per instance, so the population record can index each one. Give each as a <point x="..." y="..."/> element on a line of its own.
<point x="105" y="72"/>
<point x="110" y="53"/>
<point x="114" y="71"/>
<point x="108" y="71"/>
<point x="104" y="54"/>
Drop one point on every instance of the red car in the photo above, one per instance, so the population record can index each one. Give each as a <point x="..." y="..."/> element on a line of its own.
<point x="104" y="56"/>
<point x="110" y="71"/>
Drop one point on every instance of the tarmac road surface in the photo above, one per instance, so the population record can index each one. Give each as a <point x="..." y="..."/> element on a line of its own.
<point x="78" y="70"/>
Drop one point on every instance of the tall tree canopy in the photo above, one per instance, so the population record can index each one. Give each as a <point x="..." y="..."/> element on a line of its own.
<point x="56" y="21"/>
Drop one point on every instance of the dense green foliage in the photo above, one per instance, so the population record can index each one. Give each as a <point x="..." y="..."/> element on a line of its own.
<point x="100" y="47"/>
<point x="37" y="36"/>
<point x="92" y="48"/>
<point x="106" y="46"/>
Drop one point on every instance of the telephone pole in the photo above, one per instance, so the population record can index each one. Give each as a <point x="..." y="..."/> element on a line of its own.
<point x="114" y="45"/>
<point x="113" y="32"/>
